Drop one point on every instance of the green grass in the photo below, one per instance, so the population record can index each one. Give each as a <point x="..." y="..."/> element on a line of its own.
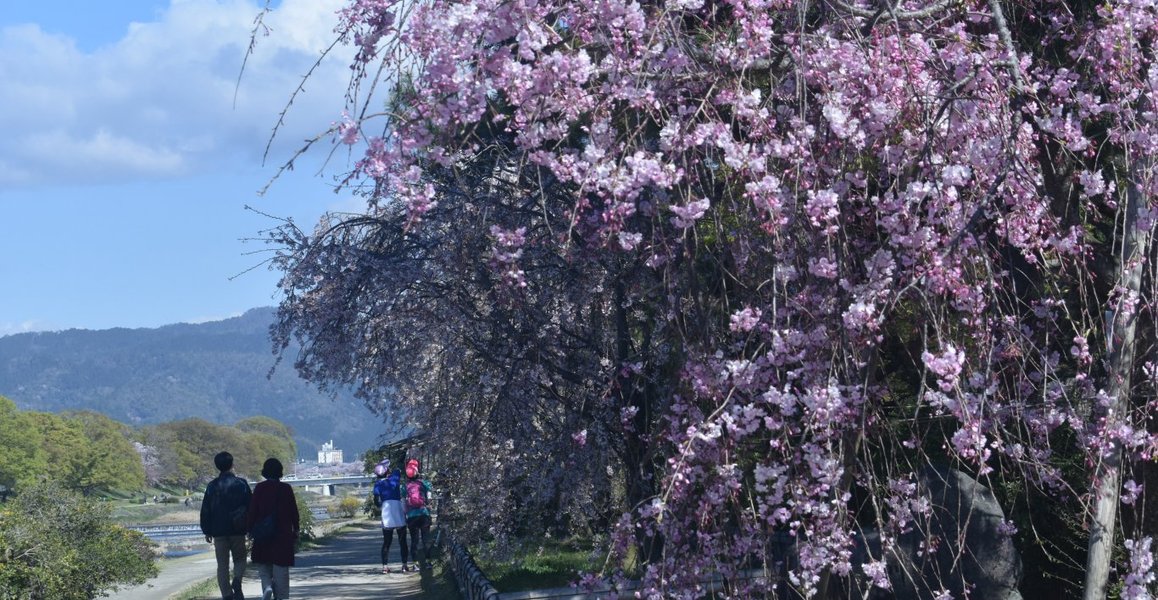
<point x="546" y="564"/>
<point x="204" y="590"/>
<point x="440" y="584"/>
<point x="329" y="536"/>
<point x="127" y="507"/>
<point x="147" y="513"/>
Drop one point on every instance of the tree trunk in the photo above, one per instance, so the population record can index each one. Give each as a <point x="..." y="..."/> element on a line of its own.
<point x="640" y="469"/>
<point x="1120" y="340"/>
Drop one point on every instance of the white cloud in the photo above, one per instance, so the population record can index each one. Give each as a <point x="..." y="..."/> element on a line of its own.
<point x="99" y="153"/>
<point x="159" y="102"/>
<point x="213" y="319"/>
<point x="23" y="327"/>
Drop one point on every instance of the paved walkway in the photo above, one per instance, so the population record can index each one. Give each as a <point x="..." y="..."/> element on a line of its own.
<point x="176" y="575"/>
<point x="346" y="568"/>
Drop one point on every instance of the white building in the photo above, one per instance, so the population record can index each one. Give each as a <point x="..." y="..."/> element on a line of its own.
<point x="329" y="455"/>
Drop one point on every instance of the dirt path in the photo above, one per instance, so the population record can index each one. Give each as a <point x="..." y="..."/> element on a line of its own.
<point x="347" y="567"/>
<point x="176" y="575"/>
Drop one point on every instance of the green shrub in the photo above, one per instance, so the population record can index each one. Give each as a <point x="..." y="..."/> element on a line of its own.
<point x="58" y="545"/>
<point x="347" y="507"/>
<point x="306" y="519"/>
<point x="371" y="508"/>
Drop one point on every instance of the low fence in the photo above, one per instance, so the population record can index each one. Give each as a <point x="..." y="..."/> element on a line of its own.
<point x="472" y="582"/>
<point x="474" y="585"/>
<point x="570" y="593"/>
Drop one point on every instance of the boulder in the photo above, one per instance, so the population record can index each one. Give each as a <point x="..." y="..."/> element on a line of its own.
<point x="959" y="548"/>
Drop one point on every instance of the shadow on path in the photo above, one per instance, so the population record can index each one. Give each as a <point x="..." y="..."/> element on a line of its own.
<point x="346" y="568"/>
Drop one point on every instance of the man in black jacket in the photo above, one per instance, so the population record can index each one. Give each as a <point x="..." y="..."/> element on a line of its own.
<point x="223" y="523"/>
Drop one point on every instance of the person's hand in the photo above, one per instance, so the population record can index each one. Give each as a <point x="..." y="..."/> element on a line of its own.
<point x="208" y="539"/>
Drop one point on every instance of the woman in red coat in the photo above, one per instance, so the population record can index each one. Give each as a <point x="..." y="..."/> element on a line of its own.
<point x="274" y="556"/>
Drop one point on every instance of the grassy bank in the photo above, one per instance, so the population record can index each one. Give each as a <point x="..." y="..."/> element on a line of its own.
<point x="540" y="564"/>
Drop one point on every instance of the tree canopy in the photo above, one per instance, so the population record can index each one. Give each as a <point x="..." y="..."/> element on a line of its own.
<point x="68" y="451"/>
<point x="110" y="459"/>
<point x="765" y="260"/>
<point x="85" y="451"/>
<point x="21" y="455"/>
<point x="191" y="444"/>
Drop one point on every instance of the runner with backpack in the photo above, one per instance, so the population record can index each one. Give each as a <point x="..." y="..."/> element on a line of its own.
<point x="388" y="496"/>
<point x="416" y="495"/>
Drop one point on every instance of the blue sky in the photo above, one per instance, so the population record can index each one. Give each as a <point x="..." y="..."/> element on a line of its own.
<point x="126" y="162"/>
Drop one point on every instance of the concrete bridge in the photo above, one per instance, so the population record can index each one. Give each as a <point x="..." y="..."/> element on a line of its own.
<point x="325" y="484"/>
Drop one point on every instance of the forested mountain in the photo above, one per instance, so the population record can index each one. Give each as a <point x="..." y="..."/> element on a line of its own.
<point x="218" y="371"/>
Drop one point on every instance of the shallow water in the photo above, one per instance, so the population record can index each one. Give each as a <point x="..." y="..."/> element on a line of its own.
<point x="178" y="553"/>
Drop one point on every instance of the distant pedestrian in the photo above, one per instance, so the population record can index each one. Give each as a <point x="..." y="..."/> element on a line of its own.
<point x="223" y="523"/>
<point x="416" y="496"/>
<point x="388" y="496"/>
<point x="273" y="555"/>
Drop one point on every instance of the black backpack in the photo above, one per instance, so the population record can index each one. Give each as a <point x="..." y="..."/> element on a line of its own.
<point x="233" y="492"/>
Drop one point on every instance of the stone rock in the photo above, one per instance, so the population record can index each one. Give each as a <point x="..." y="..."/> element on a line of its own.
<point x="959" y="548"/>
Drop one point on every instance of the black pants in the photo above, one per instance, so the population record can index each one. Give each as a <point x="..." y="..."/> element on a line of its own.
<point x="420" y="526"/>
<point x="387" y="537"/>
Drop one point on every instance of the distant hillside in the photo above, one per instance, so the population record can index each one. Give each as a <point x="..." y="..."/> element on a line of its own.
<point x="216" y="371"/>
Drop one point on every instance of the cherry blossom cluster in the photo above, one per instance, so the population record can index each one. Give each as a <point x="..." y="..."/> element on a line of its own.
<point x="803" y="204"/>
<point x="1140" y="578"/>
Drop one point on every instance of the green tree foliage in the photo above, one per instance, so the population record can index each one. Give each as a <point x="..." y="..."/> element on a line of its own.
<point x="306" y="518"/>
<point x="67" y="450"/>
<point x="86" y="451"/>
<point x="191" y="443"/>
<point x="57" y="545"/>
<point x="269" y="446"/>
<point x="21" y="457"/>
<point x="112" y="462"/>
<point x="269" y="437"/>
<point x="196" y="441"/>
<point x="158" y="450"/>
<point x="260" y="424"/>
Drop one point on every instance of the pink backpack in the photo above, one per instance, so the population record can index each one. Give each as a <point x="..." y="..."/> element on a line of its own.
<point x="415" y="498"/>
